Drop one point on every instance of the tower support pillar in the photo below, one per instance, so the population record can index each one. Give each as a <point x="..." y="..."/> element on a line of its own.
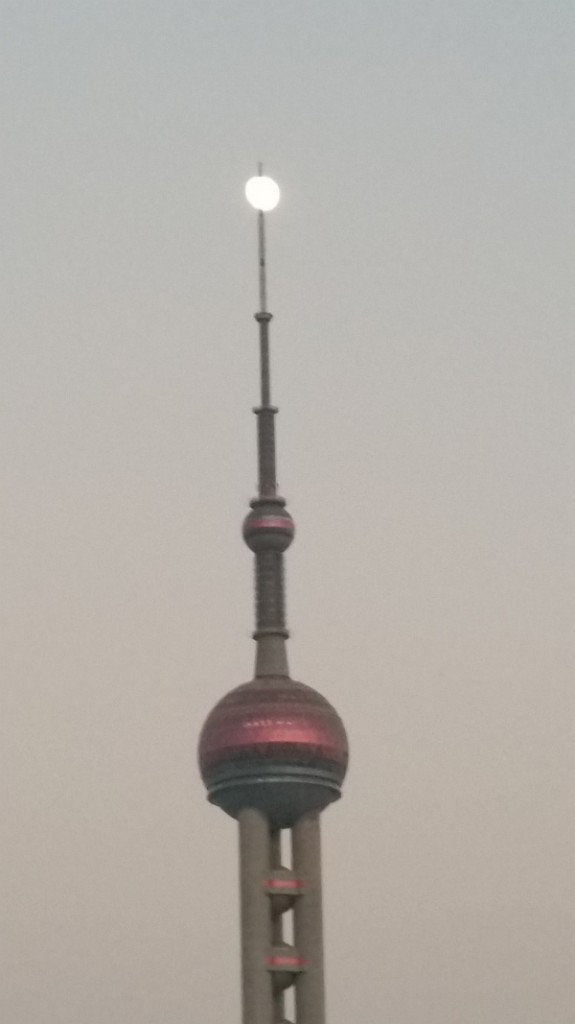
<point x="308" y="925"/>
<point x="255" y="917"/>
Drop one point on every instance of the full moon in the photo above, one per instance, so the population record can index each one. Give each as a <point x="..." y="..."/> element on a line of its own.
<point x="262" y="193"/>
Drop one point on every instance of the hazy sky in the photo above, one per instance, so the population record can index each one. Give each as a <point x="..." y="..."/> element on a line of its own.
<point x="421" y="277"/>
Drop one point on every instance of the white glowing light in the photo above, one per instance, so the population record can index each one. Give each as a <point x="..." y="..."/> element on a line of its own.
<point x="262" y="193"/>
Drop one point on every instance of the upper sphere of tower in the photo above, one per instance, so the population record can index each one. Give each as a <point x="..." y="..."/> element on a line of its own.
<point x="276" y="745"/>
<point x="268" y="526"/>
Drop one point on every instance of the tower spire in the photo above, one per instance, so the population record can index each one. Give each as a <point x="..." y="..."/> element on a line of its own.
<point x="268" y="528"/>
<point x="262" y="252"/>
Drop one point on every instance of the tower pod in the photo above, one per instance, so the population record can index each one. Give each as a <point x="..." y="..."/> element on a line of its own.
<point x="276" y="745"/>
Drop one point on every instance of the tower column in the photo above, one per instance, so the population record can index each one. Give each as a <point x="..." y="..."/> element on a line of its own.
<point x="277" y="924"/>
<point x="255" y="917"/>
<point x="308" y="925"/>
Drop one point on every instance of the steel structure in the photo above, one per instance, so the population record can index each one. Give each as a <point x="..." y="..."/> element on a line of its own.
<point x="273" y="754"/>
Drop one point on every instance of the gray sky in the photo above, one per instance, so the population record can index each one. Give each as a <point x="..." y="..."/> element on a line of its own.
<point x="421" y="276"/>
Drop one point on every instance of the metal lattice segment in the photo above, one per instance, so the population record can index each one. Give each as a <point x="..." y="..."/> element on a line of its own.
<point x="267" y="451"/>
<point x="270" y="602"/>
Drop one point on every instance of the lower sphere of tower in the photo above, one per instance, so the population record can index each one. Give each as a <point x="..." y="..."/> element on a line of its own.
<point x="275" y="745"/>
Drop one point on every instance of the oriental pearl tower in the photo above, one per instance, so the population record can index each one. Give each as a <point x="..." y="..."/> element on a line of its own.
<point x="273" y="752"/>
